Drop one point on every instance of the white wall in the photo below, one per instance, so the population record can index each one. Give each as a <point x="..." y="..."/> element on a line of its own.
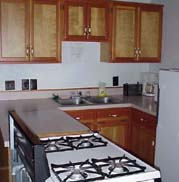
<point x="85" y="73"/>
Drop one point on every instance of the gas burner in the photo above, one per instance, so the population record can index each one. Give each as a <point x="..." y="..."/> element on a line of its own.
<point x="86" y="141"/>
<point x="119" y="166"/>
<point x="56" y="145"/>
<point x="77" y="172"/>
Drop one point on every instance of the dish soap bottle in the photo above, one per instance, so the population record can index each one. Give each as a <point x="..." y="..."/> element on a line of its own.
<point x="102" y="89"/>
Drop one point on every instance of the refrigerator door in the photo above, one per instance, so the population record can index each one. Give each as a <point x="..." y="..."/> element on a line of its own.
<point x="167" y="139"/>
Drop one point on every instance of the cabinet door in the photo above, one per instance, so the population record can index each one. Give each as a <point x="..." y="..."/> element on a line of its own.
<point x="14" y="30"/>
<point x="114" y="124"/>
<point x="4" y="161"/>
<point x="135" y="139"/>
<point x="116" y="131"/>
<point x="143" y="136"/>
<point x="44" y="31"/>
<point x="147" y="146"/>
<point x="98" y="21"/>
<point x="124" y="33"/>
<point x="150" y="33"/>
<point x="75" y="27"/>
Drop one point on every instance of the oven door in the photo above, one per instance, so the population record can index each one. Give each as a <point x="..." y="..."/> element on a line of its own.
<point x="28" y="158"/>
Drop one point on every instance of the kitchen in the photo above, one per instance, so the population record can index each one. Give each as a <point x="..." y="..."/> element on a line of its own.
<point x="127" y="72"/>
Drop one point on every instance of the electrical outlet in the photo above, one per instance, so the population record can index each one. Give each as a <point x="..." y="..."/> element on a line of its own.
<point x="33" y="84"/>
<point x="9" y="85"/>
<point x="25" y="84"/>
<point x="115" y="80"/>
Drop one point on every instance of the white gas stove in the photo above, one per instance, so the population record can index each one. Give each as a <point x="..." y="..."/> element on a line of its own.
<point x="91" y="157"/>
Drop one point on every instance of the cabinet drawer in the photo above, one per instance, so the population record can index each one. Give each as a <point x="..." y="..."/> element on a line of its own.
<point x="121" y="114"/>
<point x="87" y="117"/>
<point x="80" y="115"/>
<point x="146" y="121"/>
<point x="143" y="118"/>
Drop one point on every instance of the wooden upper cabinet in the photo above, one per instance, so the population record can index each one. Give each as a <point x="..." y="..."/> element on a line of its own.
<point x="86" y="20"/>
<point x="150" y="33"/>
<point x="137" y="32"/>
<point x="13" y="30"/>
<point x="124" y="31"/>
<point x="44" y="35"/>
<point x="30" y="31"/>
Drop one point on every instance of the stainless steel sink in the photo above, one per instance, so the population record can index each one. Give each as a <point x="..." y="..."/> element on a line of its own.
<point x="80" y="101"/>
<point x="73" y="102"/>
<point x="103" y="100"/>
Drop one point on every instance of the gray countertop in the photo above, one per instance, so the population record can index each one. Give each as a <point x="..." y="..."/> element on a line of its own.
<point x="44" y="117"/>
<point x="142" y="103"/>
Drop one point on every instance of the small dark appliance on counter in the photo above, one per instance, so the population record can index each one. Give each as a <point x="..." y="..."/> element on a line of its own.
<point x="132" y="89"/>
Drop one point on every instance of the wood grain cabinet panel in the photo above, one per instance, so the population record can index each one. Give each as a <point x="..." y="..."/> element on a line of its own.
<point x="4" y="161"/>
<point x="86" y="20"/>
<point x="150" y="37"/>
<point x="30" y="31"/>
<point x="114" y="124"/>
<point x="143" y="133"/>
<point x="125" y="39"/>
<point x="137" y="32"/>
<point x="87" y="117"/>
<point x="44" y="32"/>
<point x="13" y="30"/>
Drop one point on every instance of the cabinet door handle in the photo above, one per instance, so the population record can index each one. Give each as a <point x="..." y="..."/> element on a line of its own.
<point x="139" y="51"/>
<point x="153" y="143"/>
<point x="27" y="51"/>
<point x="89" y="30"/>
<point x="135" y="52"/>
<point x="77" y="118"/>
<point x="85" y="31"/>
<point x="32" y="51"/>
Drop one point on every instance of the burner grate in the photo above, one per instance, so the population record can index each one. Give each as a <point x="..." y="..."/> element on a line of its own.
<point x="119" y="166"/>
<point x="77" y="172"/>
<point x="88" y="141"/>
<point x="56" y="145"/>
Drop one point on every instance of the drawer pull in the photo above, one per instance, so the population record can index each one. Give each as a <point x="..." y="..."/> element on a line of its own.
<point x="141" y="119"/>
<point x="77" y="118"/>
<point x="113" y="115"/>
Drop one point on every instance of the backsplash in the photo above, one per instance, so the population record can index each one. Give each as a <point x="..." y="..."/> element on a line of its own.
<point x="63" y="93"/>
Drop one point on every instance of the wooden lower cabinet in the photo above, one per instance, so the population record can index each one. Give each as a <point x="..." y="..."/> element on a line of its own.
<point x="4" y="161"/>
<point x="129" y="128"/>
<point x="143" y="133"/>
<point x="113" y="124"/>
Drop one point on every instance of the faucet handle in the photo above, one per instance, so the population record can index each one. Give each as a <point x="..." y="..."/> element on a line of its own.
<point x="80" y="93"/>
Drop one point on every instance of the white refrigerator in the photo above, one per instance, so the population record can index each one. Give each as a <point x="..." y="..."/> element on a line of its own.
<point x="167" y="139"/>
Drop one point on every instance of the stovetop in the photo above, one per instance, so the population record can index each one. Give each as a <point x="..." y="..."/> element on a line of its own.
<point x="103" y="163"/>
